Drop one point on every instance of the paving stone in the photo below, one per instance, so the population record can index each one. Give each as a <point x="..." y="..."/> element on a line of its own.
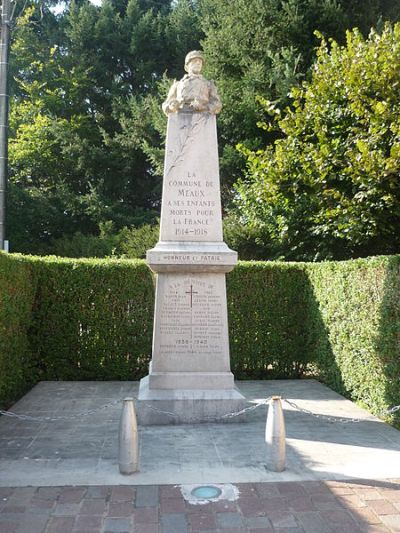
<point x="282" y="519"/>
<point x="378" y="529"/>
<point x="48" y="493"/>
<point x="381" y="507"/>
<point x="22" y="495"/>
<point x="32" y="524"/>
<point x="392" y="521"/>
<point x="174" y="523"/>
<point x="147" y="528"/>
<point x="226" y="520"/>
<point x="8" y="527"/>
<point x="60" y="524"/>
<point x="147" y="496"/>
<point x="120" y="509"/>
<point x="246" y="489"/>
<point x="5" y="492"/>
<point x="302" y="503"/>
<point x="274" y="504"/>
<point x="173" y="505"/>
<point x="72" y="495"/>
<point x="170" y="491"/>
<point x="364" y="515"/>
<point x="98" y="492"/>
<point x="315" y="487"/>
<point x="392" y="495"/>
<point x="66" y="509"/>
<point x="291" y="489"/>
<point x="228" y="530"/>
<point x="368" y="494"/>
<point x="17" y="509"/>
<point x="117" y="525"/>
<point x="258" y="522"/>
<point x="94" y="507"/>
<point x="88" y="522"/>
<point x="41" y="504"/>
<point x="351" y="501"/>
<point x="325" y="502"/>
<point x="337" y="517"/>
<point x="202" y="521"/>
<point x="266" y="490"/>
<point x="313" y="523"/>
<point x="122" y="494"/>
<point x="221" y="506"/>
<point x="252" y="506"/>
<point x="146" y="515"/>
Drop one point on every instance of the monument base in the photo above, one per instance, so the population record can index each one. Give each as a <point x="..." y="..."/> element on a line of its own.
<point x="187" y="406"/>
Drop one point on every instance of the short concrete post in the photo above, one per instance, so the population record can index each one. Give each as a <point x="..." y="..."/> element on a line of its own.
<point x="275" y="436"/>
<point x="128" y="439"/>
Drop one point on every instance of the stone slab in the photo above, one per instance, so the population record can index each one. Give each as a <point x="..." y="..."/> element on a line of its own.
<point x="191" y="257"/>
<point x="188" y="406"/>
<point x="83" y="450"/>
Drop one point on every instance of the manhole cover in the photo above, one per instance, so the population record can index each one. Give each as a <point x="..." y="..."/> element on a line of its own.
<point x="206" y="492"/>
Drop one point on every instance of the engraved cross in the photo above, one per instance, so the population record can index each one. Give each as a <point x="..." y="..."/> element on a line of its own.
<point x="191" y="292"/>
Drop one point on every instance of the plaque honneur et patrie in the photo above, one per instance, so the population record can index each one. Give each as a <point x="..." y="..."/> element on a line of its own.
<point x="190" y="374"/>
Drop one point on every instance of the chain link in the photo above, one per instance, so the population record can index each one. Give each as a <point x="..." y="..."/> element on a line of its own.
<point x="321" y="416"/>
<point x="338" y="419"/>
<point x="256" y="404"/>
<point x="56" y="418"/>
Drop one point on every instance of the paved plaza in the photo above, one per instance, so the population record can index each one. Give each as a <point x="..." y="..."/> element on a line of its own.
<point x="62" y="475"/>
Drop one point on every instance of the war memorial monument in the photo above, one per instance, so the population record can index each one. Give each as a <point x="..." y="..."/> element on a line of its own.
<point x="189" y="375"/>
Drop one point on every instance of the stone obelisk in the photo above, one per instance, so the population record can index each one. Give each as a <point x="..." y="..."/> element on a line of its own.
<point x="189" y="374"/>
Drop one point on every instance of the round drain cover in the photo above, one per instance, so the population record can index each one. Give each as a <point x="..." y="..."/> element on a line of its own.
<point x="206" y="492"/>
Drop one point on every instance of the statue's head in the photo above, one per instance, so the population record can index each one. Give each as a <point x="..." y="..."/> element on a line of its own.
<point x="193" y="57"/>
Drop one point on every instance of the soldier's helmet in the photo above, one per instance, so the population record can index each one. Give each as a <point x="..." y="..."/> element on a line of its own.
<point x="193" y="55"/>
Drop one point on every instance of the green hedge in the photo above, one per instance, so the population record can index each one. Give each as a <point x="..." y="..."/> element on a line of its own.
<point x="18" y="284"/>
<point x="358" y="353"/>
<point x="92" y="319"/>
<point x="267" y="318"/>
<point x="72" y="319"/>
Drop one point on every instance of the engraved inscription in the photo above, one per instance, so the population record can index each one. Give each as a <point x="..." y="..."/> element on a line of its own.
<point x="191" y="208"/>
<point x="199" y="258"/>
<point x="191" y="318"/>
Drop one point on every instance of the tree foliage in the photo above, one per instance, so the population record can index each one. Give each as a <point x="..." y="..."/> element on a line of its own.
<point x="82" y="147"/>
<point x="86" y="126"/>
<point x="330" y="186"/>
<point x="263" y="48"/>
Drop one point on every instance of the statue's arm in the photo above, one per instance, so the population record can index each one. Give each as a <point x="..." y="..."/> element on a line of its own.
<point x="171" y="104"/>
<point x="214" y="103"/>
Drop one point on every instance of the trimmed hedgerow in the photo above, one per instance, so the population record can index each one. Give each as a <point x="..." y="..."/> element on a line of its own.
<point x="358" y="353"/>
<point x="92" y="319"/>
<point x="73" y="320"/>
<point x="95" y="318"/>
<point x="18" y="369"/>
<point x="267" y="320"/>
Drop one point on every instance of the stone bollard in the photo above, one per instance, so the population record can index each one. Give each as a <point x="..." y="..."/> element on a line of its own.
<point x="275" y="436"/>
<point x="128" y="439"/>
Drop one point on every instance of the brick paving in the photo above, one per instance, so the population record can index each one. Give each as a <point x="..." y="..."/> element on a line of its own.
<point x="287" y="507"/>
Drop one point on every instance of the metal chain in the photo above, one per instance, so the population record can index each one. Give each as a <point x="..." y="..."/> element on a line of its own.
<point x="106" y="406"/>
<point x="256" y="404"/>
<point x="324" y="417"/>
<point x="338" y="419"/>
<point x="213" y="418"/>
<point x="56" y="418"/>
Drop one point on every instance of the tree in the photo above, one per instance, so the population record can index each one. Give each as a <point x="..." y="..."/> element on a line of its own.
<point x="263" y="48"/>
<point x="81" y="137"/>
<point x="330" y="187"/>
